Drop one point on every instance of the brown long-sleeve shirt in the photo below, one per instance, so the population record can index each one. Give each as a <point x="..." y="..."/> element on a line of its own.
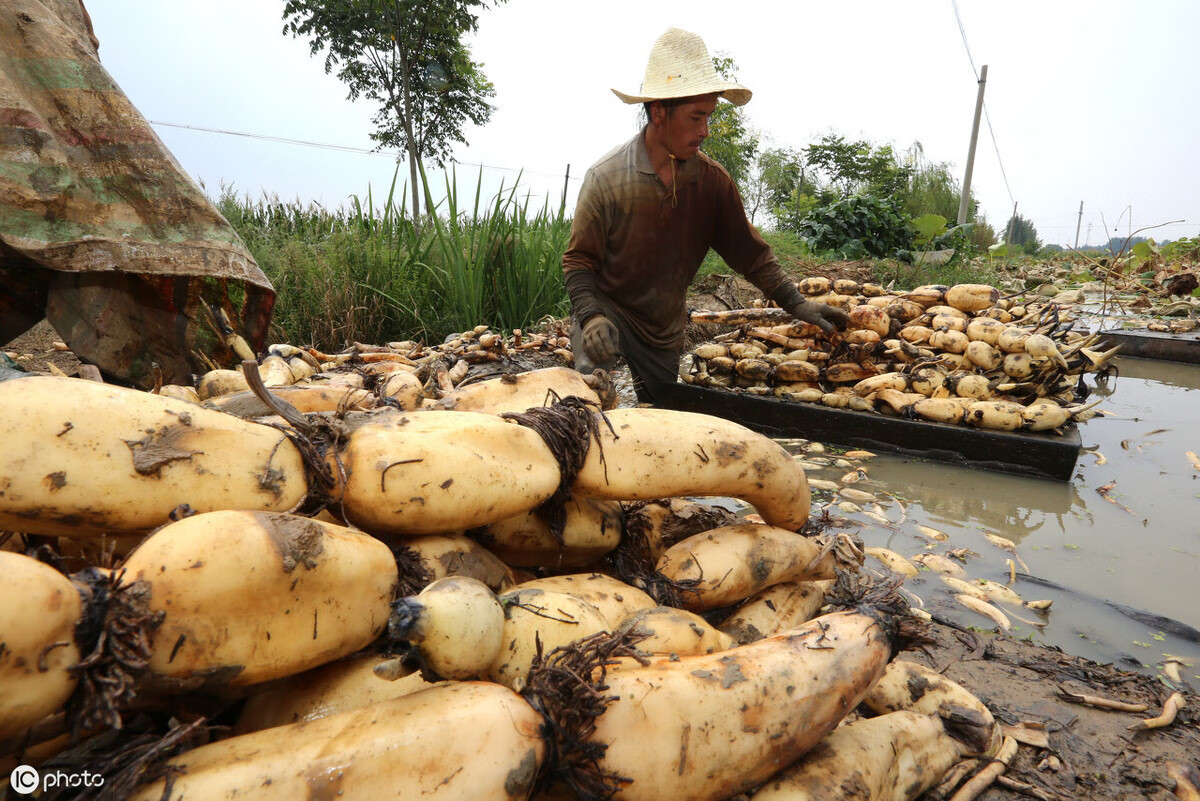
<point x="645" y="243"/>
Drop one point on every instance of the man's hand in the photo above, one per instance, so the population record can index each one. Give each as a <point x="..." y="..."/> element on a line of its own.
<point x="821" y="315"/>
<point x="824" y="317"/>
<point x="600" y="339"/>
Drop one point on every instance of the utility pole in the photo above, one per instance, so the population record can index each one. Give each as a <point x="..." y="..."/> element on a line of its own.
<point x="566" y="180"/>
<point x="965" y="201"/>
<point x="1077" y="224"/>
<point x="1011" y="222"/>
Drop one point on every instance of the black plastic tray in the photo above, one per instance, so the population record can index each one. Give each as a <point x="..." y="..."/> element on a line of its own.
<point x="1039" y="455"/>
<point x="1152" y="345"/>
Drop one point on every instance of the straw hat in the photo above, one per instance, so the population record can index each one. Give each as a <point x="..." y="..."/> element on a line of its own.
<point x="679" y="66"/>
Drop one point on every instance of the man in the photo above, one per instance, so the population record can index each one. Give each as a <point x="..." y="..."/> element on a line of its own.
<point x="647" y="214"/>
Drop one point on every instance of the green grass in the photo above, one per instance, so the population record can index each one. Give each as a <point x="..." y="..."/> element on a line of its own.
<point x="908" y="276"/>
<point x="370" y="273"/>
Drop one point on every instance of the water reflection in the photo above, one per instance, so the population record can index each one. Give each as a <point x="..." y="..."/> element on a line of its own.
<point x="1015" y="505"/>
<point x="1171" y="374"/>
<point x="1125" y="530"/>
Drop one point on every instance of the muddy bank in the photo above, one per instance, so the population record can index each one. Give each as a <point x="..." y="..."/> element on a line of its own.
<point x="1091" y="753"/>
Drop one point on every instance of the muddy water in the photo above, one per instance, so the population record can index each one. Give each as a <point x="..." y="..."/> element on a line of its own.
<point x="1124" y="534"/>
<point x="1117" y="548"/>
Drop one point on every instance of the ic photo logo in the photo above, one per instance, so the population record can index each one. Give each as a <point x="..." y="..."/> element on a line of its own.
<point x="24" y="779"/>
<point x="27" y="781"/>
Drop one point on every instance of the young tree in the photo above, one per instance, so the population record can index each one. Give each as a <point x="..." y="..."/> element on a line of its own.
<point x="408" y="56"/>
<point x="777" y="175"/>
<point x="861" y="167"/>
<point x="730" y="140"/>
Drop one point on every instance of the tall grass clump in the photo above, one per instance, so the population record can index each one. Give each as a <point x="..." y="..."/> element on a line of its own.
<point x="333" y="271"/>
<point x="497" y="264"/>
<point x="528" y="270"/>
<point x="370" y="273"/>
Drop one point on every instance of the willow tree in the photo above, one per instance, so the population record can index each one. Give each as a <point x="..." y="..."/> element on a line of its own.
<point x="408" y="56"/>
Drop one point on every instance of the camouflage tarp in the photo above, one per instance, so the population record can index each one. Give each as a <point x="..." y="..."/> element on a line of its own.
<point x="101" y="230"/>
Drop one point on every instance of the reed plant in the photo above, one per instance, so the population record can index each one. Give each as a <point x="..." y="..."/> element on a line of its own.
<point x="371" y="273"/>
<point x="498" y="264"/>
<point x="528" y="266"/>
<point x="465" y="249"/>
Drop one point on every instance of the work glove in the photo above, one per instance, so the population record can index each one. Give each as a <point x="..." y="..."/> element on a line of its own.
<point x="821" y="315"/>
<point x="600" y="339"/>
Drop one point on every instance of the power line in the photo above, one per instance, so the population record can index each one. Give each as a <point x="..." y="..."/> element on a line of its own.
<point x="963" y="32"/>
<point x="1098" y="225"/>
<point x="395" y="154"/>
<point x="268" y="138"/>
<point x="991" y="131"/>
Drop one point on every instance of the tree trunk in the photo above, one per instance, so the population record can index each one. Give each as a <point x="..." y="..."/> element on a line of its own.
<point x="405" y="114"/>
<point x="412" y="176"/>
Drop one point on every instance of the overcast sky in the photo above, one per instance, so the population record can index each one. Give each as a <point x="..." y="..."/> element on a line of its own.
<point x="1088" y="100"/>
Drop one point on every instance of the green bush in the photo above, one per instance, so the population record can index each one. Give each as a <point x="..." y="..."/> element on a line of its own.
<point x="960" y="238"/>
<point x="1182" y="248"/>
<point x="789" y="216"/>
<point x="983" y="235"/>
<point x="858" y="227"/>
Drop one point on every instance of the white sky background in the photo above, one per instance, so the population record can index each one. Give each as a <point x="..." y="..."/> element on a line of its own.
<point x="1089" y="100"/>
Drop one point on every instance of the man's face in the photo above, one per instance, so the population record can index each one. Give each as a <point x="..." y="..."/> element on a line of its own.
<point x="686" y="126"/>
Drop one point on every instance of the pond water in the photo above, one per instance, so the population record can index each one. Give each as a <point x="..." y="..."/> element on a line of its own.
<point x="1121" y="538"/>
<point x="1117" y="548"/>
